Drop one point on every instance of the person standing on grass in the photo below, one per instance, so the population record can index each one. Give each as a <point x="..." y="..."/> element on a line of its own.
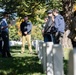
<point x="26" y="28"/>
<point x="59" y="24"/>
<point x="5" y="36"/>
<point x="47" y="32"/>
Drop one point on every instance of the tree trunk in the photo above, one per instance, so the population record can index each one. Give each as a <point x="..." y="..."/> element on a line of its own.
<point x="67" y="10"/>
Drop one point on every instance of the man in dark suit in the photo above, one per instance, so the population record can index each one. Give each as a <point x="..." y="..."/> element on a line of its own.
<point x="5" y="36"/>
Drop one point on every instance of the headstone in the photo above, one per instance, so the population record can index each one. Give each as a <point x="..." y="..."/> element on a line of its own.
<point x="52" y="58"/>
<point x="37" y="45"/>
<point x="44" y="57"/>
<point x="72" y="62"/>
<point x="40" y="53"/>
<point x="58" y="59"/>
<point x="49" y="58"/>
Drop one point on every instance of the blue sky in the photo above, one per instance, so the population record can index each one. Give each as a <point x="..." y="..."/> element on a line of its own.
<point x="2" y="10"/>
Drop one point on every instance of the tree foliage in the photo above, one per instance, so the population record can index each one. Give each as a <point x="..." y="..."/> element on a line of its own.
<point x="36" y="33"/>
<point x="35" y="9"/>
<point x="13" y="33"/>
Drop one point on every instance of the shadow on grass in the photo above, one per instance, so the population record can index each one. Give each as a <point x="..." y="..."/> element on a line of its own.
<point x="17" y="65"/>
<point x="19" y="47"/>
<point x="20" y="65"/>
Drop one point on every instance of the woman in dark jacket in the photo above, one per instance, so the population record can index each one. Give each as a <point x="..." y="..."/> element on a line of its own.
<point x="47" y="29"/>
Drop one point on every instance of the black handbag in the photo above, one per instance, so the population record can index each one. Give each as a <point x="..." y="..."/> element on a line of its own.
<point x="72" y="35"/>
<point x="53" y="29"/>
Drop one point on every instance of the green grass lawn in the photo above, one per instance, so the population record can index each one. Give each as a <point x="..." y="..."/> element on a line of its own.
<point x="21" y="64"/>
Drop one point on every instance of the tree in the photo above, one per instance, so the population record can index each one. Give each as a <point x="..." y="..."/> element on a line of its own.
<point x="13" y="33"/>
<point x="36" y="9"/>
<point x="36" y="33"/>
<point x="67" y="10"/>
<point x="33" y="8"/>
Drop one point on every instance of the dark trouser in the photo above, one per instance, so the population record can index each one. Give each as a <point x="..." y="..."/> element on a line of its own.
<point x="0" y="45"/>
<point x="58" y="36"/>
<point x="5" y="38"/>
<point x="56" y="39"/>
<point x="47" y="38"/>
<point x="74" y="43"/>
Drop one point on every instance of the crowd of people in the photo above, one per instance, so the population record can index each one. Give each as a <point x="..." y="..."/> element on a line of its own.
<point x="52" y="30"/>
<point x="54" y="27"/>
<point x="25" y="28"/>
